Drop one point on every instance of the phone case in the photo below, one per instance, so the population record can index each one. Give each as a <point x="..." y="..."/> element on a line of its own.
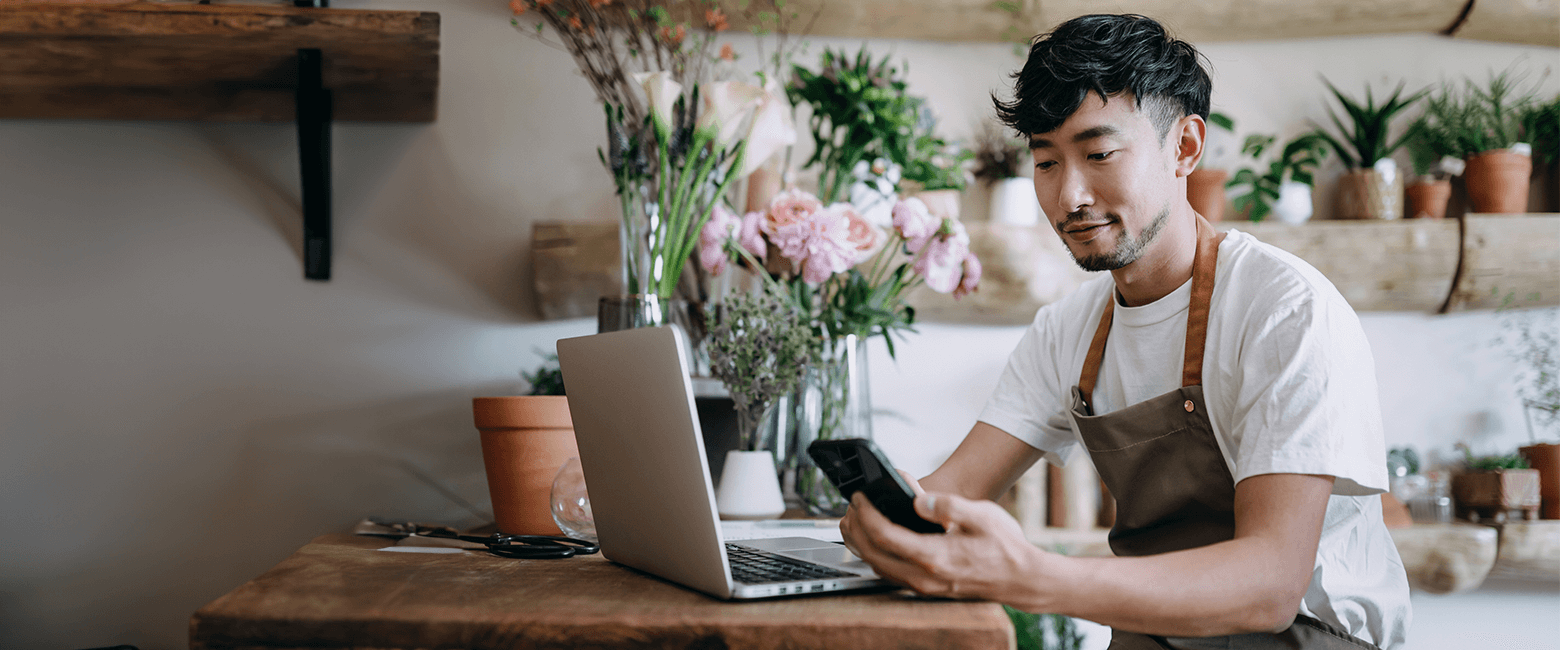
<point x="856" y="464"/>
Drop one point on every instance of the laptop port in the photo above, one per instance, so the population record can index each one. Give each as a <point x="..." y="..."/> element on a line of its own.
<point x="817" y="587"/>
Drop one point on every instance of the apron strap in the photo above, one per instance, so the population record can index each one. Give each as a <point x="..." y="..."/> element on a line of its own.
<point x="1204" y="263"/>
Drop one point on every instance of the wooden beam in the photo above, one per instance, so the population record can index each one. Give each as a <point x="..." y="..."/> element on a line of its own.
<point x="176" y="61"/>
<point x="1508" y="260"/>
<point x="1212" y="20"/>
<point x="1531" y="22"/>
<point x="1402" y="265"/>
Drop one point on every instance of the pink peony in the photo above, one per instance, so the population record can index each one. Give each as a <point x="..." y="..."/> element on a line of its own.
<point x="819" y="242"/>
<point x="866" y="237"/>
<point x="712" y="239"/>
<point x="915" y="223"/>
<point x="751" y="237"/>
<point x="971" y="282"/>
<point x="942" y="260"/>
<point x="789" y="207"/>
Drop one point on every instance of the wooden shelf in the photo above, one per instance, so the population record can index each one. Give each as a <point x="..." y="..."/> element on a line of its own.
<point x="1511" y="21"/>
<point x="227" y="63"/>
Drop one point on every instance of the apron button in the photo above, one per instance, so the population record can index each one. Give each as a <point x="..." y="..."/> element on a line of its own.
<point x="1189" y="406"/>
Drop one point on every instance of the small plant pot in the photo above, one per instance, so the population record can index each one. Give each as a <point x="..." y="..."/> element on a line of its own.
<point x="1205" y="191"/>
<point x="943" y="204"/>
<point x="1545" y="459"/>
<point x="1013" y="202"/>
<point x="1498" y="181"/>
<point x="1428" y="200"/>
<point x="1493" y="495"/>
<point x="1366" y="194"/>
<point x="524" y="442"/>
<point x="1294" y="203"/>
<point x="749" y="487"/>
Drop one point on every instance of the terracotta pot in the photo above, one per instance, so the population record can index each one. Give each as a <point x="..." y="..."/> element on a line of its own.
<point x="1428" y="200"/>
<point x="1366" y="194"/>
<point x="525" y="440"/>
<point x="943" y="204"/>
<point x="1498" y="181"/>
<point x="1494" y="494"/>
<point x="1205" y="191"/>
<point x="1546" y="459"/>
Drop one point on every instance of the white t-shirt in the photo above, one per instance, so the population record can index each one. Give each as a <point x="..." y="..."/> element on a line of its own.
<point x="1290" y="386"/>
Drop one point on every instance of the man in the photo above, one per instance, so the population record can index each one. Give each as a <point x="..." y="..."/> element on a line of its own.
<point x="1222" y="387"/>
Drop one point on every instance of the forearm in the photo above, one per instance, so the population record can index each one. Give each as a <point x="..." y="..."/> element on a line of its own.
<point x="985" y="464"/>
<point x="1226" y="588"/>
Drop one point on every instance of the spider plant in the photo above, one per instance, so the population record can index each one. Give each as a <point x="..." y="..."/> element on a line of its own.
<point x="1473" y="119"/>
<point x="1369" y="140"/>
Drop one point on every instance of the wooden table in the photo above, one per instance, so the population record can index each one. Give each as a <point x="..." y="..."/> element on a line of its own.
<point x="340" y="591"/>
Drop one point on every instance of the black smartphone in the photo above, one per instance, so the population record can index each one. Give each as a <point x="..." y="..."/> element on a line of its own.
<point x="856" y="465"/>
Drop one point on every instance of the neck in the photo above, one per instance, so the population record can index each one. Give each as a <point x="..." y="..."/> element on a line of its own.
<point x="1165" y="265"/>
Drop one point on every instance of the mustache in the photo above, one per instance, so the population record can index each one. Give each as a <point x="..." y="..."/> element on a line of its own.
<point x="1085" y="216"/>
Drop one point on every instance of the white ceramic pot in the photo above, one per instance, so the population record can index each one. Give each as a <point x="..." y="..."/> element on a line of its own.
<point x="1013" y="202"/>
<point x="749" y="487"/>
<point x="1294" y="203"/>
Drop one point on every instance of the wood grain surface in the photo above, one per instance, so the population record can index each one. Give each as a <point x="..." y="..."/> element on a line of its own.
<point x="339" y="591"/>
<point x="178" y="61"/>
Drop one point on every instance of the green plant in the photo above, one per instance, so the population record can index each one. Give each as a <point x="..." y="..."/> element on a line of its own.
<point x="1404" y="457"/>
<point x="1466" y="119"/>
<point x="1044" y="631"/>
<point x="1297" y="162"/>
<point x="1541" y="125"/>
<point x="1492" y="463"/>
<point x="1533" y="341"/>
<point x="548" y="378"/>
<point x="860" y="112"/>
<point x="936" y="165"/>
<point x="1369" y="139"/>
<point x="759" y="348"/>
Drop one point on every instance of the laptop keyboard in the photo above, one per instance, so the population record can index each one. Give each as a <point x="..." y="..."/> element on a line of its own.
<point x="753" y="566"/>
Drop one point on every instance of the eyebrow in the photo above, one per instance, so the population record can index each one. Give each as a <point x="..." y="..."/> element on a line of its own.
<point x="1103" y="130"/>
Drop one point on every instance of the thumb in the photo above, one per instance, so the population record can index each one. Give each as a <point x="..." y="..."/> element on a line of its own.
<point x="950" y="510"/>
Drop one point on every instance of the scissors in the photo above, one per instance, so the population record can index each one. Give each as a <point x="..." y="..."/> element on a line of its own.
<point x="524" y="547"/>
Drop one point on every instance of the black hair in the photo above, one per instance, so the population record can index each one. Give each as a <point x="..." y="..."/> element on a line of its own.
<point x="1109" y="55"/>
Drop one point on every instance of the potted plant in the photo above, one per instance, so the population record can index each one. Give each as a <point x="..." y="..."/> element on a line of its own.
<point x="525" y="440"/>
<point x="936" y="170"/>
<point x="1533" y="342"/>
<point x="1284" y="189"/>
<point x="759" y="348"/>
<point x="1205" y="185"/>
<point x="1429" y="143"/>
<point x="1541" y="124"/>
<point x="1493" y="486"/>
<point x="997" y="160"/>
<point x="1483" y="126"/>
<point x="1371" y="188"/>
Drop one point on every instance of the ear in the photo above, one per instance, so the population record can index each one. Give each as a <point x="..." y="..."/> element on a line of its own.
<point x="1189" y="134"/>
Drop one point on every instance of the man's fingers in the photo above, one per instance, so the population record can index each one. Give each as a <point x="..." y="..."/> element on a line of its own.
<point x="915" y="486"/>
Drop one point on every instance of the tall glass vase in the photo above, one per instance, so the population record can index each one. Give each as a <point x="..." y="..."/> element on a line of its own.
<point x="835" y="401"/>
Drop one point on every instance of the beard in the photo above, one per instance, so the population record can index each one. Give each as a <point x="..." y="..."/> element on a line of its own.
<point x="1128" y="248"/>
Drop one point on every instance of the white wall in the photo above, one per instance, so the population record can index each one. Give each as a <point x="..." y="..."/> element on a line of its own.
<point x="179" y="409"/>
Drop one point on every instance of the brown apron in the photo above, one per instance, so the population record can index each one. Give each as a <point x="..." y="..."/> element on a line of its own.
<point x="1162" y="463"/>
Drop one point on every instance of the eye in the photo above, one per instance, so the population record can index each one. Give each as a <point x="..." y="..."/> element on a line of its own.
<point x="1104" y="155"/>
<point x="1045" y="166"/>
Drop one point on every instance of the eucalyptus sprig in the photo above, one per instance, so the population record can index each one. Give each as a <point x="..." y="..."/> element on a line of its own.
<point x="759" y="348"/>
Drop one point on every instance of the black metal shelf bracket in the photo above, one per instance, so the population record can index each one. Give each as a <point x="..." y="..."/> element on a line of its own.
<point x="314" y="119"/>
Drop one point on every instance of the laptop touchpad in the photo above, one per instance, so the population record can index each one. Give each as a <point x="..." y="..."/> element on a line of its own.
<point x="838" y="556"/>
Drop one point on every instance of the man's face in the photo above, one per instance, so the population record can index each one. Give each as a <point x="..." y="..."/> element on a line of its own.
<point x="1106" y="181"/>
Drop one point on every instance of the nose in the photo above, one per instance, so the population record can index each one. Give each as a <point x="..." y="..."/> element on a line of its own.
<point x="1073" y="192"/>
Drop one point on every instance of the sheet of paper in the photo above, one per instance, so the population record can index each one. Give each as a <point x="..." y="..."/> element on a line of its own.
<point x="824" y="529"/>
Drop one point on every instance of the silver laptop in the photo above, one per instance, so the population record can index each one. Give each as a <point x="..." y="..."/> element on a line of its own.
<point x="650" y="491"/>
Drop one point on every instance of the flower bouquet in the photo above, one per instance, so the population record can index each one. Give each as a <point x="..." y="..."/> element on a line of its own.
<point x="848" y="278"/>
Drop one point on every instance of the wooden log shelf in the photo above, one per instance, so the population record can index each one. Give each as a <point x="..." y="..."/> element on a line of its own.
<point x="221" y="63"/>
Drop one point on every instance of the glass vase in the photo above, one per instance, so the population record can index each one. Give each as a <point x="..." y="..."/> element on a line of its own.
<point x="835" y="401"/>
<point x="629" y="311"/>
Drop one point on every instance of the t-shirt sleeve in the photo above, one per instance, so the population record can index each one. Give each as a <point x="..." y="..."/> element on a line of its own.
<point x="1307" y="400"/>
<point x="1029" y="403"/>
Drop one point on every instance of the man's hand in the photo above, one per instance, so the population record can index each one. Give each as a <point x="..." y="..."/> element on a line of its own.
<point x="984" y="553"/>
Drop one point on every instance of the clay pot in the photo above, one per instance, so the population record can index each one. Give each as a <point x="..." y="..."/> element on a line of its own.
<point x="1366" y="194"/>
<point x="1498" y="181"/>
<point x="1427" y="200"/>
<point x="1205" y="191"/>
<point x="1546" y="459"/>
<point x="524" y="442"/>
<point x="1495" y="494"/>
<point x="943" y="204"/>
